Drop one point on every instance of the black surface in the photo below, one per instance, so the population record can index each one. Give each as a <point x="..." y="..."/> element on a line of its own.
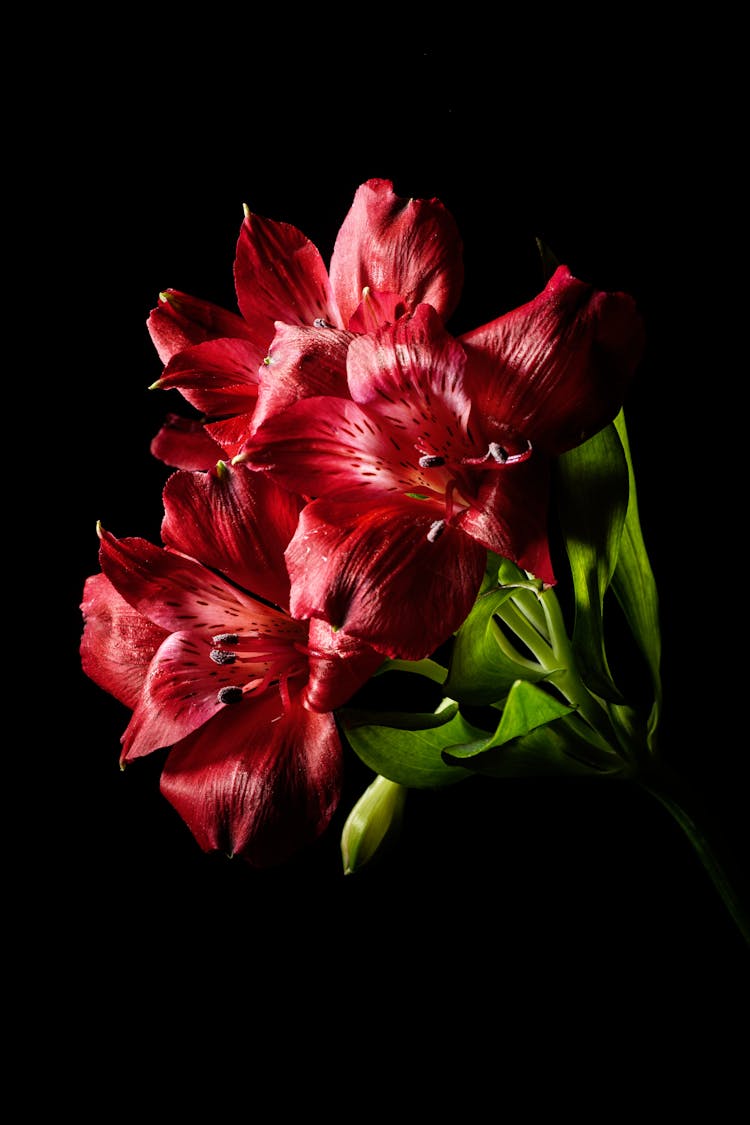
<point x="554" y="881"/>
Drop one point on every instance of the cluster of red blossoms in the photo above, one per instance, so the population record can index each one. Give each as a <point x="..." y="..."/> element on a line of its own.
<point x="334" y="503"/>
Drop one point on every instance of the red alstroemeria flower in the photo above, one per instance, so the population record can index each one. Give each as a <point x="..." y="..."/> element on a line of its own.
<point x="440" y="453"/>
<point x="390" y="255"/>
<point x="196" y="639"/>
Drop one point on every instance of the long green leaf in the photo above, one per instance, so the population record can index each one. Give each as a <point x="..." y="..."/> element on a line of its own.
<point x="593" y="485"/>
<point x="634" y="586"/>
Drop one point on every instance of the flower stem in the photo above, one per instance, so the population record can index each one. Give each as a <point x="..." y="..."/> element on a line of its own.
<point x="706" y="838"/>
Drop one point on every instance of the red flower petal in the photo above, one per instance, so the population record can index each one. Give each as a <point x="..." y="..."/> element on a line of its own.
<point x="339" y="666"/>
<point x="280" y="275"/>
<point x="230" y="434"/>
<point x="384" y="573"/>
<point x="183" y="443"/>
<point x="510" y="516"/>
<point x="217" y="377"/>
<point x="236" y="522"/>
<point x="557" y="368"/>
<point x="410" y="247"/>
<point x="255" y="784"/>
<point x="180" y="320"/>
<point x="118" y="642"/>
<point x="301" y="363"/>
<point x="173" y="591"/>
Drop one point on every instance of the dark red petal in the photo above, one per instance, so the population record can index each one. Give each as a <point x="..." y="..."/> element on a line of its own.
<point x="183" y="443"/>
<point x="118" y="643"/>
<point x="217" y="377"/>
<point x="339" y="666"/>
<point x="410" y="374"/>
<point x="510" y="516"/>
<point x="556" y="369"/>
<point x="230" y="434"/>
<point x="235" y="521"/>
<point x="328" y="445"/>
<point x="179" y="693"/>
<point x="255" y="784"/>
<point x="301" y="363"/>
<point x="374" y="573"/>
<point x="410" y="247"/>
<point x="173" y="591"/>
<point x="280" y="275"/>
<point x="180" y="320"/>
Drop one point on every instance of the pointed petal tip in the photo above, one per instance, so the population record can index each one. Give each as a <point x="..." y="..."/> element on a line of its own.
<point x="155" y="386"/>
<point x="246" y="211"/>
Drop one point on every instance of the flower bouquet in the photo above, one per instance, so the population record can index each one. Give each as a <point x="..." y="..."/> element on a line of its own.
<point x="357" y="497"/>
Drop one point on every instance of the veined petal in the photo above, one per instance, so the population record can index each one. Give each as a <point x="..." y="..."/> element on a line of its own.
<point x="410" y="374"/>
<point x="217" y="377"/>
<point x="389" y="574"/>
<point x="339" y="666"/>
<point x="183" y="443"/>
<point x="302" y="362"/>
<point x="557" y="368"/>
<point x="406" y="246"/>
<point x="235" y="521"/>
<point x="510" y="516"/>
<point x="180" y="320"/>
<point x="255" y="784"/>
<point x="118" y="642"/>
<point x="326" y="445"/>
<point x="280" y="275"/>
<point x="176" y="592"/>
<point x="180" y="693"/>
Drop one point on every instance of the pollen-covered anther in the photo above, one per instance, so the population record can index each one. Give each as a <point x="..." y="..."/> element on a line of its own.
<point x="229" y="695"/>
<point x="226" y="639"/>
<point x="437" y="527"/>
<point x="498" y="453"/>
<point x="220" y="656"/>
<point x="431" y="461"/>
<point x="321" y="322"/>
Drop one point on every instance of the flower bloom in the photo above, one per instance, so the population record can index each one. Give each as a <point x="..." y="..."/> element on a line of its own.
<point x="195" y="638"/>
<point x="390" y="255"/>
<point x="439" y="452"/>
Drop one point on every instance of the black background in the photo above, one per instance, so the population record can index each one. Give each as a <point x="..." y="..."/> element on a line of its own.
<point x="602" y="151"/>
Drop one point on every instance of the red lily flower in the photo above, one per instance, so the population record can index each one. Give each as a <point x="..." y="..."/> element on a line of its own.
<point x="440" y="453"/>
<point x="241" y="692"/>
<point x="390" y="255"/>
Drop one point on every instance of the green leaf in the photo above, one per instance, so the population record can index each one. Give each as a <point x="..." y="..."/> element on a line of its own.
<point x="593" y="484"/>
<point x="526" y="707"/>
<point x="413" y="757"/>
<point x="559" y="748"/>
<point x="634" y="586"/>
<point x="485" y="661"/>
<point x="376" y="817"/>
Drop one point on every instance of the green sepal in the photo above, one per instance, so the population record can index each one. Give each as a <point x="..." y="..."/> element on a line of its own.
<point x="634" y="586"/>
<point x="592" y="489"/>
<point x="375" y="819"/>
<point x="411" y="755"/>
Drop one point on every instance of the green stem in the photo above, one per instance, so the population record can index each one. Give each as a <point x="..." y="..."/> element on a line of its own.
<point x="707" y="840"/>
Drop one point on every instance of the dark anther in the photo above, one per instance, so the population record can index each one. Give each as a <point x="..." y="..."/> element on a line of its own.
<point x="321" y="322"/>
<point x="498" y="453"/>
<point x="230" y="695"/>
<point x="431" y="461"/>
<point x="225" y="639"/>
<point x="220" y="657"/>
<point x="437" y="527"/>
